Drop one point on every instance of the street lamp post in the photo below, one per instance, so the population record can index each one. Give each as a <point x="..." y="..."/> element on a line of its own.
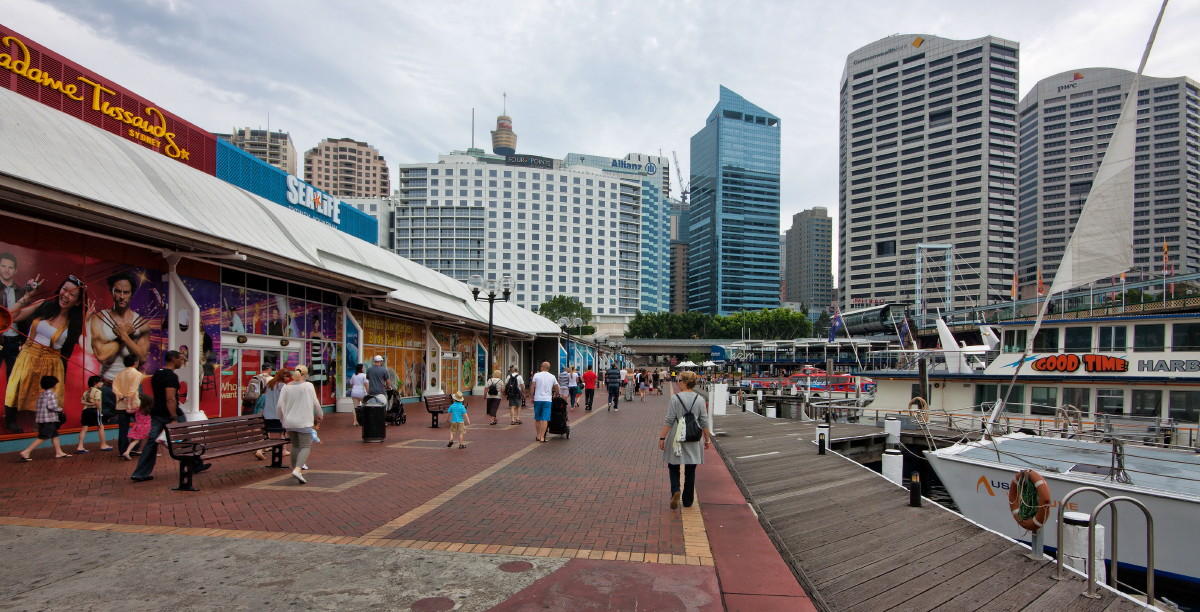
<point x="478" y="286"/>
<point x="566" y="323"/>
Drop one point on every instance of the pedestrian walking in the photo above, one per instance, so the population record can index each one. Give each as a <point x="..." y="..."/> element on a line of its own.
<point x="545" y="387"/>
<point x="90" y="416"/>
<point x="459" y="420"/>
<point x="589" y="388"/>
<point x="672" y="439"/>
<point x="270" y="406"/>
<point x="358" y="390"/>
<point x="573" y="386"/>
<point x="612" y="381"/>
<point x="514" y="391"/>
<point x="127" y="386"/>
<point x="643" y="381"/>
<point x="165" y="409"/>
<point x="492" y="386"/>
<point x="301" y="415"/>
<point x="49" y="417"/>
<point x="140" y="430"/>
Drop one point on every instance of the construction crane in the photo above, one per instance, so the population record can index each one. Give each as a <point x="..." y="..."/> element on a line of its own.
<point x="683" y="187"/>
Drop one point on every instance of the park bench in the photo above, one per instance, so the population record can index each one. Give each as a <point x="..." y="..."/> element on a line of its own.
<point x="194" y="442"/>
<point x="436" y="405"/>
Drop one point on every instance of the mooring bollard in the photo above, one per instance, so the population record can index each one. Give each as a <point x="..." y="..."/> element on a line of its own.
<point x="914" y="489"/>
<point x="1075" y="546"/>
<point x="891" y="425"/>
<point x="893" y="466"/>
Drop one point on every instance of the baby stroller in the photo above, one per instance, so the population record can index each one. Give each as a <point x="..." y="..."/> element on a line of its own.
<point x="558" y="418"/>
<point x="395" y="411"/>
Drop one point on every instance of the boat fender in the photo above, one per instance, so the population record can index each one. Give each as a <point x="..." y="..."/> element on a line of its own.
<point x="1029" y="499"/>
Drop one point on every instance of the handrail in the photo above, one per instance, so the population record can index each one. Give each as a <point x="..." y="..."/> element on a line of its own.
<point x="1062" y="510"/>
<point x="1112" y="576"/>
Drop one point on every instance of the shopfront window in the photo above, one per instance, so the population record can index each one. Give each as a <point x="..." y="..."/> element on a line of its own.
<point x="1043" y="400"/>
<point x="1185" y="406"/>
<point x="1110" y="401"/>
<point x="1079" y="397"/>
<point x="1078" y="340"/>
<point x="1146" y="402"/>
<point x="401" y="344"/>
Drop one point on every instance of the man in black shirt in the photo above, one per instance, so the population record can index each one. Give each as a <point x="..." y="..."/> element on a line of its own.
<point x="165" y="409"/>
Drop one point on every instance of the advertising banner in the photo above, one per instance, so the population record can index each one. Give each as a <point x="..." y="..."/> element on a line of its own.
<point x="74" y="316"/>
<point x="36" y="72"/>
<point x="402" y="346"/>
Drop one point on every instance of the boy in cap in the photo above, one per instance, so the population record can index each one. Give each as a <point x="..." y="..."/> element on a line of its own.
<point x="459" y="419"/>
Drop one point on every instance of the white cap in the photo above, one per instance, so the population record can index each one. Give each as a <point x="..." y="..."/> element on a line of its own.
<point x="378" y="358"/>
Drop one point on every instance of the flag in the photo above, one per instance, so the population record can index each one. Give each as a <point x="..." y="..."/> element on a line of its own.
<point x="1014" y="285"/>
<point x="1041" y="288"/>
<point x="835" y="325"/>
<point x="1166" y="258"/>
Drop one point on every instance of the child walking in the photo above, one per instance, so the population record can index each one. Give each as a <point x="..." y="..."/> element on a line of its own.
<point x="140" y="429"/>
<point x="459" y="419"/>
<point x="91" y="417"/>
<point x="49" y="417"/>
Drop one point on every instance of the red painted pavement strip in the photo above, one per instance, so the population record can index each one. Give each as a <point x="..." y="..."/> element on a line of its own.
<point x="753" y="574"/>
<point x="584" y="584"/>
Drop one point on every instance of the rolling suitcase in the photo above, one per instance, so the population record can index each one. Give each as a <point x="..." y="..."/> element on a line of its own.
<point x="558" y="418"/>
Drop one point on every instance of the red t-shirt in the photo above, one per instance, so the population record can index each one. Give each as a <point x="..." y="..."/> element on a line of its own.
<point x="589" y="380"/>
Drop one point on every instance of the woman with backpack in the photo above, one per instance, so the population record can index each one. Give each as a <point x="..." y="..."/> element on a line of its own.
<point x="514" y="390"/>
<point x="685" y="426"/>
<point x="493" y="395"/>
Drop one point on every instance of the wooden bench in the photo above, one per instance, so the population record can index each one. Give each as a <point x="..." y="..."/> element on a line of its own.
<point x="436" y="405"/>
<point x="194" y="442"/>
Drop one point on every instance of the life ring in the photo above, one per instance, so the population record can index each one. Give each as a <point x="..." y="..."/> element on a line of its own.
<point x="922" y="412"/>
<point x="1029" y="499"/>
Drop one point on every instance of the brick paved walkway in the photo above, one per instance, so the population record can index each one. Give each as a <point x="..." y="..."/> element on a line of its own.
<point x="599" y="496"/>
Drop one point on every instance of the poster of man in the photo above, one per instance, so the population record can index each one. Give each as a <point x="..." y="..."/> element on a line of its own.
<point x="119" y="331"/>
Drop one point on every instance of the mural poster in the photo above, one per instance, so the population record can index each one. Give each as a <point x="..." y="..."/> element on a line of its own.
<point x="401" y="344"/>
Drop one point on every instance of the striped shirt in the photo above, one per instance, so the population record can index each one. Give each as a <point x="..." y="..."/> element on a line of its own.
<point x="47" y="407"/>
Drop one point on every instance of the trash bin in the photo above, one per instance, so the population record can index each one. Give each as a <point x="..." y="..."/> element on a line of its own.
<point x="371" y="418"/>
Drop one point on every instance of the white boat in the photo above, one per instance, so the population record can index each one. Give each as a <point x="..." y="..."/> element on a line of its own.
<point x="978" y="474"/>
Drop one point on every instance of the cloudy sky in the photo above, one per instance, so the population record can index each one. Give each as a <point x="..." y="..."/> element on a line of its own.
<point x="607" y="78"/>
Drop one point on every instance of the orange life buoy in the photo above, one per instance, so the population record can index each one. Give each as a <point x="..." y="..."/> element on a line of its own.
<point x="1025" y="487"/>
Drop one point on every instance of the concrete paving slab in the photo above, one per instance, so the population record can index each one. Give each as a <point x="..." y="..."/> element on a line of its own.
<point x="585" y="584"/>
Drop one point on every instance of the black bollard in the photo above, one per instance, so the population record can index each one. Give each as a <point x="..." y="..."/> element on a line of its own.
<point x="821" y="443"/>
<point x="914" y="490"/>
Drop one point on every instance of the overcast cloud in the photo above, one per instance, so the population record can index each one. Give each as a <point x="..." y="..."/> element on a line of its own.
<point x="606" y="78"/>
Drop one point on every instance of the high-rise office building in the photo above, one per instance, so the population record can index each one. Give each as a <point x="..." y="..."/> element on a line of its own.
<point x="656" y="255"/>
<point x="1066" y="123"/>
<point x="347" y="168"/>
<point x="384" y="211"/>
<point x="928" y="161"/>
<point x="809" y="256"/>
<point x="677" y="215"/>
<point x="733" y="221"/>
<point x="558" y="229"/>
<point x="273" y="147"/>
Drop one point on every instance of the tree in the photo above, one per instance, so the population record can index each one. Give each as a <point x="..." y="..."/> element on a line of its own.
<point x="561" y="306"/>
<point x="821" y="327"/>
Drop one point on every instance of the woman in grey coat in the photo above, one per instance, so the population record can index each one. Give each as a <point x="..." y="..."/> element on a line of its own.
<point x="676" y="452"/>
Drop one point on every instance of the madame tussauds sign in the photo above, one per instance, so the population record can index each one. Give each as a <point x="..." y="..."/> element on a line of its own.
<point x="38" y="73"/>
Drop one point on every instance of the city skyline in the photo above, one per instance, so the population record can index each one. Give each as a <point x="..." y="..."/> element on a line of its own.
<point x="573" y="94"/>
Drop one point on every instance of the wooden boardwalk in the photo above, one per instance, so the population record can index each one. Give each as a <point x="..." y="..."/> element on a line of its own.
<point x="856" y="544"/>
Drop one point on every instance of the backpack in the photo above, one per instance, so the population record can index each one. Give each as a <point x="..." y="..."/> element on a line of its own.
<point x="492" y="390"/>
<point x="692" y="431"/>
<point x="511" y="388"/>
<point x="253" y="390"/>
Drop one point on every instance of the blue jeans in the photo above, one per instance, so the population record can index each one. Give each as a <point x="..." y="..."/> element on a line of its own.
<point x="145" y="466"/>
<point x="574" y="393"/>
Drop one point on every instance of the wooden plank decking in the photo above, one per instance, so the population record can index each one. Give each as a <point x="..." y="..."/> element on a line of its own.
<point x="856" y="544"/>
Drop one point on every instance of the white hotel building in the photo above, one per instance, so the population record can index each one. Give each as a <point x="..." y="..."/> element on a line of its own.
<point x="1066" y="121"/>
<point x="557" y="229"/>
<point x="928" y="154"/>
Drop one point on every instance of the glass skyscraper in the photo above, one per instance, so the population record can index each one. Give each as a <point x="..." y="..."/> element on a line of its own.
<point x="733" y="221"/>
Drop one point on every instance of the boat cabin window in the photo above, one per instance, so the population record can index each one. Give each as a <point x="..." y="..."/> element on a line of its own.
<point x="1046" y="340"/>
<point x="1149" y="338"/>
<point x="1079" y="397"/>
<point x="1185" y="337"/>
<point x="1110" y="401"/>
<point x="1014" y="341"/>
<point x="1077" y="340"/>
<point x="1185" y="406"/>
<point x="1112" y="338"/>
<point x="1146" y="402"/>
<point x="1043" y="400"/>
<point x="986" y="396"/>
